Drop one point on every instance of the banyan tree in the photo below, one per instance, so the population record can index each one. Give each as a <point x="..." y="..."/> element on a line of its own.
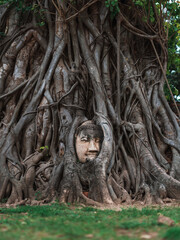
<point x="99" y="64"/>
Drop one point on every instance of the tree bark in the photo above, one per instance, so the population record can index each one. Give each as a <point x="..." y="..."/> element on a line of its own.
<point x="85" y="64"/>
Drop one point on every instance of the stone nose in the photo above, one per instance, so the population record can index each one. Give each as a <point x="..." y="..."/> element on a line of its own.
<point x="92" y="146"/>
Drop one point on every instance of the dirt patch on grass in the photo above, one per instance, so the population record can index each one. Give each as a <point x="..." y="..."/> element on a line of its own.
<point x="136" y="234"/>
<point x="124" y="232"/>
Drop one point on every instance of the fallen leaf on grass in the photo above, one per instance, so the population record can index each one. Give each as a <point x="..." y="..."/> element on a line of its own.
<point x="165" y="220"/>
<point x="148" y="235"/>
<point x="145" y="236"/>
<point x="4" y="229"/>
<point x="23" y="222"/>
<point x="41" y="235"/>
<point x="3" y="216"/>
<point x="123" y="232"/>
<point x="60" y="235"/>
<point x="89" y="235"/>
<point x="25" y="213"/>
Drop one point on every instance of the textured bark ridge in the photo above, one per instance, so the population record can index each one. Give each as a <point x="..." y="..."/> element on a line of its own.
<point x="84" y="64"/>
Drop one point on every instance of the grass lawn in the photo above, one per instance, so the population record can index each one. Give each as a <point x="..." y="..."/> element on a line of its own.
<point x="68" y="222"/>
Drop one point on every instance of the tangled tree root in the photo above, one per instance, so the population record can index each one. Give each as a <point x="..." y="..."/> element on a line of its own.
<point x="85" y="66"/>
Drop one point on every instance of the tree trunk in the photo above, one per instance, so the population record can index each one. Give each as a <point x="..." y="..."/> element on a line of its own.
<point x="66" y="62"/>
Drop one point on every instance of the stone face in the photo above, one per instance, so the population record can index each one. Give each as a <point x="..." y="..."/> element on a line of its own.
<point x="88" y="141"/>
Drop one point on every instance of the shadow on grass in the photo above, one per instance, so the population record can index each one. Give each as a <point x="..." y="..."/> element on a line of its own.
<point x="172" y="234"/>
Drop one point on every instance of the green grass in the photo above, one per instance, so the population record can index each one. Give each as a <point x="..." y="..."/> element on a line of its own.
<point x="66" y="222"/>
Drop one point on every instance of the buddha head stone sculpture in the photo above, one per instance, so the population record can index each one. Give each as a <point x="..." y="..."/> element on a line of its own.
<point x="88" y="139"/>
